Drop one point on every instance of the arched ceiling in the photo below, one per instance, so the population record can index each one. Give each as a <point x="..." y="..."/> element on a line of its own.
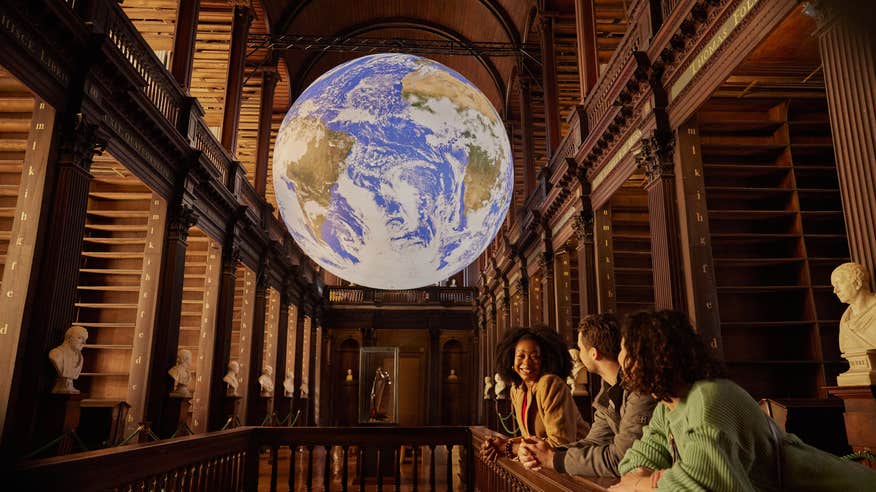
<point x="464" y="21"/>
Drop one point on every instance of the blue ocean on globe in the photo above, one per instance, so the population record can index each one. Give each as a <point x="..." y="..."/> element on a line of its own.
<point x="392" y="171"/>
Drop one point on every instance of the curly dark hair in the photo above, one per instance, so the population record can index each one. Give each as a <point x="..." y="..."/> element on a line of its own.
<point x="601" y="332"/>
<point x="665" y="356"/>
<point x="555" y="358"/>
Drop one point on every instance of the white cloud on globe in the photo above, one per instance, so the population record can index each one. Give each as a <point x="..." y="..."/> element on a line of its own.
<point x="392" y="171"/>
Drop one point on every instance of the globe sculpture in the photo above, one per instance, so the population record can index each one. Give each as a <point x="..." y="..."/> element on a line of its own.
<point x="392" y="171"/>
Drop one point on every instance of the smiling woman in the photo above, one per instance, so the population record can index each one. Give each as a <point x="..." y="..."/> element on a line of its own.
<point x="537" y="363"/>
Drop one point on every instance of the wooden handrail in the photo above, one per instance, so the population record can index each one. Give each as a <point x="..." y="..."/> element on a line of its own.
<point x="150" y="463"/>
<point x="505" y="474"/>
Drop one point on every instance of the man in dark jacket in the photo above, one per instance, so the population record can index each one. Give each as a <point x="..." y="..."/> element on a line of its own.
<point x="618" y="418"/>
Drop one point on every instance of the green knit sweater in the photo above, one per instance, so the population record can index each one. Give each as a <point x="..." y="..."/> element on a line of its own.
<point x="722" y="441"/>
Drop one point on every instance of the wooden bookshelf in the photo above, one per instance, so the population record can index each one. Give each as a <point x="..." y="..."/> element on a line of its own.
<point x="777" y="230"/>
<point x="26" y="128"/>
<point x="118" y="275"/>
<point x="241" y="330"/>
<point x="566" y="285"/>
<point x="631" y="248"/>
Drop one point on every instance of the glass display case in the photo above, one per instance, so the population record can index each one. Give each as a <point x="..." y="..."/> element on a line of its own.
<point x="378" y="393"/>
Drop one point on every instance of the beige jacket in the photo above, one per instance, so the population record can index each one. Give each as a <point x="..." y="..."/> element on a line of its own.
<point x="551" y="412"/>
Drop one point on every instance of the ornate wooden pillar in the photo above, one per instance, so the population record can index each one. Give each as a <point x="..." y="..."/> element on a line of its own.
<point x="548" y="297"/>
<point x="604" y="250"/>
<point x="583" y="224"/>
<point x="848" y="55"/>
<point x="702" y="293"/>
<point x="523" y="288"/>
<point x="282" y="340"/>
<point x="234" y="86"/>
<point x="313" y="347"/>
<point x="434" y="411"/>
<point x="266" y="109"/>
<point x="222" y="341"/>
<point x="184" y="38"/>
<point x="549" y="77"/>
<point x="588" y="61"/>
<point x="298" y="363"/>
<point x="64" y="204"/>
<point x="526" y="135"/>
<point x="656" y="160"/>
<point x="257" y="342"/>
<point x="165" y="339"/>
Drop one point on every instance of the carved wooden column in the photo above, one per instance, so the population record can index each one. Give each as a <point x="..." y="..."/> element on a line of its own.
<point x="298" y="364"/>
<point x="434" y="384"/>
<point x="236" y="63"/>
<point x="222" y="342"/>
<point x="523" y="288"/>
<point x="311" y="366"/>
<point x="64" y="210"/>
<point x="548" y="297"/>
<point x="848" y="55"/>
<point x="257" y="342"/>
<point x="526" y="135"/>
<point x="549" y="78"/>
<point x="165" y="339"/>
<point x="583" y="225"/>
<point x="701" y="287"/>
<point x="184" y="37"/>
<point x="282" y="340"/>
<point x="266" y="110"/>
<point x="588" y="60"/>
<point x="604" y="252"/>
<point x="656" y="160"/>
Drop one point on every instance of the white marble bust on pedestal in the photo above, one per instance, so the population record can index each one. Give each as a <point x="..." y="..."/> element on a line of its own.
<point x="181" y="374"/>
<point x="231" y="378"/>
<point x="499" y="389"/>
<point x="266" y="381"/>
<point x="67" y="359"/>
<point x="857" y="330"/>
<point x="488" y="387"/>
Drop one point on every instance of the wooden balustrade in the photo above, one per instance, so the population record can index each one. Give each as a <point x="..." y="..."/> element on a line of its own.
<point x="338" y="457"/>
<point x="160" y="87"/>
<point x="508" y="475"/>
<point x="456" y="296"/>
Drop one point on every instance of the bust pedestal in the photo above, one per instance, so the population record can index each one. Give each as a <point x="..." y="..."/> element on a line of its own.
<point x="860" y="415"/>
<point x="176" y="416"/>
<point x="60" y="417"/>
<point x="263" y="411"/>
<point x="231" y="407"/>
<point x="862" y="369"/>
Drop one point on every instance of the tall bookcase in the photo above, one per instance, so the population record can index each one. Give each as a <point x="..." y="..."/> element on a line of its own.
<point x="777" y="230"/>
<point x="118" y="278"/>
<point x="631" y="249"/>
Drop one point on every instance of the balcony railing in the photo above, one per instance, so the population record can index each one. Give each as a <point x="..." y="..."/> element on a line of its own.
<point x="446" y="296"/>
<point x="297" y="457"/>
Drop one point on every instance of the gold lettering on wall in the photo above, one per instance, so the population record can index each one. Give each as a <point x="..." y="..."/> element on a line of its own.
<point x="711" y="47"/>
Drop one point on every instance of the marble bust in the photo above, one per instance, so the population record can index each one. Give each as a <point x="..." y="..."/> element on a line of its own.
<point x="289" y="385"/>
<point x="231" y="378"/>
<point x="181" y="374"/>
<point x="266" y="381"/>
<point x="304" y="389"/>
<point x="452" y="376"/>
<point x="349" y="376"/>
<point x="500" y="386"/>
<point x="857" y="329"/>
<point x="67" y="359"/>
<point x="488" y="387"/>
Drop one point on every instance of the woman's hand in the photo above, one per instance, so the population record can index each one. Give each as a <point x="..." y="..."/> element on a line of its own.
<point x="492" y="448"/>
<point x="638" y="479"/>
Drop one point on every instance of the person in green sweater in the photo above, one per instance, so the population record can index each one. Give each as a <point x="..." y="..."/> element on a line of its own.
<point x="707" y="433"/>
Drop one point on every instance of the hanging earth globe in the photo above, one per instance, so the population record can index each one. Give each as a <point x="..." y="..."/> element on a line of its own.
<point x="392" y="171"/>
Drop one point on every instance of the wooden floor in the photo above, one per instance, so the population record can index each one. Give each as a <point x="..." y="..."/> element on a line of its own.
<point x="407" y="481"/>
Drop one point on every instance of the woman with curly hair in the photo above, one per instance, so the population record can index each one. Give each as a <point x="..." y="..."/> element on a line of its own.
<point x="537" y="364"/>
<point x="707" y="433"/>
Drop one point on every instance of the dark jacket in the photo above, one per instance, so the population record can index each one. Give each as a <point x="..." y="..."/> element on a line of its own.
<point x="617" y="422"/>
